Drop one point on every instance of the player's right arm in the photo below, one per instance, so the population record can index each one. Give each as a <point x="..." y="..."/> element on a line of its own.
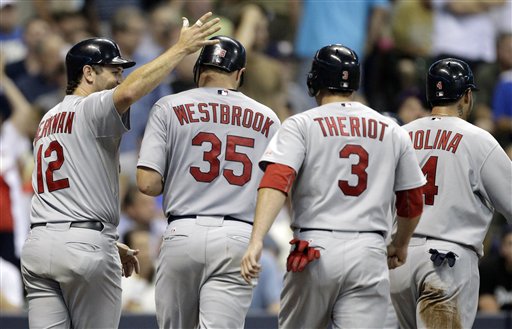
<point x="274" y="187"/>
<point x="141" y="81"/>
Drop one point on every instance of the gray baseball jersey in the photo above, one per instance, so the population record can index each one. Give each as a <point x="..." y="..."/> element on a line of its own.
<point x="76" y="151"/>
<point x="75" y="179"/>
<point x="468" y="176"/>
<point x="206" y="143"/>
<point x="349" y="161"/>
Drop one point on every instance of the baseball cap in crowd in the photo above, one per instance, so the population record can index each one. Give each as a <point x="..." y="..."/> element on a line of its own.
<point x="5" y="3"/>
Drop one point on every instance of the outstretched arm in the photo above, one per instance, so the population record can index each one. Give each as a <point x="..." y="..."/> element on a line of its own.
<point x="141" y="81"/>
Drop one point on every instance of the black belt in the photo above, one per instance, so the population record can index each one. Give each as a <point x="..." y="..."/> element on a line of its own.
<point x="327" y="230"/>
<point x="91" y="225"/>
<point x="172" y="218"/>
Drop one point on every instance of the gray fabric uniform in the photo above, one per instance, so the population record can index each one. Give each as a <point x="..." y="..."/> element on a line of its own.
<point x="206" y="144"/>
<point x="349" y="161"/>
<point x="468" y="177"/>
<point x="73" y="275"/>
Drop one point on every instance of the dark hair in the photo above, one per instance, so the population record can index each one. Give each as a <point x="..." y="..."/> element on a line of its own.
<point x="72" y="85"/>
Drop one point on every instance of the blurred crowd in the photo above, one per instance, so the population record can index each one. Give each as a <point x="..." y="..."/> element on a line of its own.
<point x="396" y="41"/>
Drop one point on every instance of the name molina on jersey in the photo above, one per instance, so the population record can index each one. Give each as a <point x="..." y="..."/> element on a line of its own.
<point x="56" y="124"/>
<point x="438" y="140"/>
<point x="223" y="114"/>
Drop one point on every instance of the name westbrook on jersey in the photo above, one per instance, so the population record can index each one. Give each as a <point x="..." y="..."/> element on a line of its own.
<point x="223" y="114"/>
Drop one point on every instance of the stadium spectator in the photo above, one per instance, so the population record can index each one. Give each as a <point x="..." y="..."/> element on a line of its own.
<point x="496" y="278"/>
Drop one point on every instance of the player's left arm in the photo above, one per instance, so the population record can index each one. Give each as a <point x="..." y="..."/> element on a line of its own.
<point x="149" y="181"/>
<point x="496" y="175"/>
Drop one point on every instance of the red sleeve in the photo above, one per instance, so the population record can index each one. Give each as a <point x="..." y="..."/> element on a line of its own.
<point x="279" y="177"/>
<point x="409" y="203"/>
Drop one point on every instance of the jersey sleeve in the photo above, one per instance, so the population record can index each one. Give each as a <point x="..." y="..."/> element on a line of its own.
<point x="287" y="147"/>
<point x="408" y="174"/>
<point x="105" y="121"/>
<point x="496" y="175"/>
<point x="153" y="149"/>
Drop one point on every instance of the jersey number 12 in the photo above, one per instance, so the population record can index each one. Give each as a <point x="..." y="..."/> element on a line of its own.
<point x="53" y="185"/>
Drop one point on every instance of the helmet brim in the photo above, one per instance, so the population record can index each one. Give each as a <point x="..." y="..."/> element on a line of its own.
<point x="124" y="63"/>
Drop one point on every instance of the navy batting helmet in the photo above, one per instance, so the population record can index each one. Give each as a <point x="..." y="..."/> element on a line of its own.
<point x="227" y="55"/>
<point x="447" y="80"/>
<point x="335" y="67"/>
<point x="100" y="51"/>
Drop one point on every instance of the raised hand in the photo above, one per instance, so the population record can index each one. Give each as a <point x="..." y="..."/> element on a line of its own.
<point x="192" y="38"/>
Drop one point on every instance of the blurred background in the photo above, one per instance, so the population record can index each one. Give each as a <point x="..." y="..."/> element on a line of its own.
<point x="396" y="41"/>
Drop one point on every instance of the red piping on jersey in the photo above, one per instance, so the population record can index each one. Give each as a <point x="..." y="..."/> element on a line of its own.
<point x="279" y="177"/>
<point x="409" y="203"/>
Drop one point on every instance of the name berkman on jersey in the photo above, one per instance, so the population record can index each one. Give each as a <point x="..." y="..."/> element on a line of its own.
<point x="223" y="114"/>
<point x="443" y="140"/>
<point x="351" y="126"/>
<point x="56" y="124"/>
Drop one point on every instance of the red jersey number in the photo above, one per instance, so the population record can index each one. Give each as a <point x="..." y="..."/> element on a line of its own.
<point x="212" y="157"/>
<point x="53" y="185"/>
<point x="430" y="189"/>
<point x="358" y="169"/>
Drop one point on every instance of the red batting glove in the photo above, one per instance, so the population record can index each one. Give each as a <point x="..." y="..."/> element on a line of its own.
<point x="301" y="255"/>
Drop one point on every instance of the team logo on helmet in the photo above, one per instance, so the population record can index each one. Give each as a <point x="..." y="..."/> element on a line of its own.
<point x="218" y="55"/>
<point x="439" y="85"/>
<point x="344" y="75"/>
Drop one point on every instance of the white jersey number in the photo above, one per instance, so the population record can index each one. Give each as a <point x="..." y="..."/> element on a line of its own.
<point x="358" y="169"/>
<point x="430" y="189"/>
<point x="212" y="157"/>
<point x="52" y="185"/>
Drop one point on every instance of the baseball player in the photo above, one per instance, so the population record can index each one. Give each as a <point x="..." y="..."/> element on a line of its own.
<point x="71" y="263"/>
<point x="200" y="149"/>
<point x="468" y="177"/>
<point x="342" y="163"/>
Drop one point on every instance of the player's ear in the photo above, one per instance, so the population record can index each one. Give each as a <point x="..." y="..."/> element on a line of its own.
<point x="240" y="77"/>
<point x="87" y="71"/>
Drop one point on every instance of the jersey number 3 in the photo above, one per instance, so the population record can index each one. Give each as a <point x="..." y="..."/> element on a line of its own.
<point x="358" y="169"/>
<point x="212" y="157"/>
<point x="53" y="185"/>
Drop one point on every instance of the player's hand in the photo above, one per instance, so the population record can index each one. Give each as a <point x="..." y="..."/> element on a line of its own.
<point x="250" y="266"/>
<point x="301" y="255"/>
<point x="396" y="256"/>
<point x="129" y="259"/>
<point x="192" y="38"/>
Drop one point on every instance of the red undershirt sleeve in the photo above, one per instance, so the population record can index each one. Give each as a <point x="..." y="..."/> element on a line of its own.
<point x="279" y="177"/>
<point x="409" y="203"/>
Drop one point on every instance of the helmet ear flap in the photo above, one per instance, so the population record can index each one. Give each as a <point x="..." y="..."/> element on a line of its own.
<point x="312" y="83"/>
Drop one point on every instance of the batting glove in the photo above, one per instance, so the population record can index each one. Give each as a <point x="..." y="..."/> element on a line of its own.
<point x="301" y="255"/>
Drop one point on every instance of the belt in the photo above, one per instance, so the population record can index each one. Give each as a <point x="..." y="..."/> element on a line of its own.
<point x="172" y="218"/>
<point x="91" y="225"/>
<point x="327" y="230"/>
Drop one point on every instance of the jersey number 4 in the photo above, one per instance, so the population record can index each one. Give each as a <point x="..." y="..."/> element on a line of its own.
<point x="53" y="185"/>
<point x="430" y="189"/>
<point x="212" y="157"/>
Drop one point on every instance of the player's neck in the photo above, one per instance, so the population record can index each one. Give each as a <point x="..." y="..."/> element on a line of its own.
<point x="323" y="99"/>
<point x="446" y="111"/>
